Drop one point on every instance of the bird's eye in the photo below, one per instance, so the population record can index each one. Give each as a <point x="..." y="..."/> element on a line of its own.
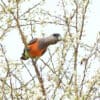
<point x="56" y="34"/>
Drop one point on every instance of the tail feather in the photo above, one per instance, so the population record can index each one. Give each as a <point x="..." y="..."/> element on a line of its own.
<point x="25" y="54"/>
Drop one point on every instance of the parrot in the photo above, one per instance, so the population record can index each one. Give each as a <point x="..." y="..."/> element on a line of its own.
<point x="38" y="46"/>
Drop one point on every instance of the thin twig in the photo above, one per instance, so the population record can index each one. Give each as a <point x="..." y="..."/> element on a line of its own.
<point x="39" y="77"/>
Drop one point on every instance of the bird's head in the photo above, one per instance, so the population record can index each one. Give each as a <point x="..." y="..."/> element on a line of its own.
<point x="57" y="36"/>
<point x="52" y="39"/>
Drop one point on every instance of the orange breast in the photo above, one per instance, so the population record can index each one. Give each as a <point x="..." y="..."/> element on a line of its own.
<point x="35" y="51"/>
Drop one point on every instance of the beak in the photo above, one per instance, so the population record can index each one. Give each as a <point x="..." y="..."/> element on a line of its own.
<point x="60" y="38"/>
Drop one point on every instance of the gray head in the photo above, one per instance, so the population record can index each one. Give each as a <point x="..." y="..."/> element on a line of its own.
<point x="57" y="37"/>
<point x="52" y="39"/>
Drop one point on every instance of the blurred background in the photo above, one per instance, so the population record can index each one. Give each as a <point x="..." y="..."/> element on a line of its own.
<point x="69" y="70"/>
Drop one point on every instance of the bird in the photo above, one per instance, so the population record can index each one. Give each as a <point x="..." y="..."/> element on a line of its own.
<point x="38" y="46"/>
